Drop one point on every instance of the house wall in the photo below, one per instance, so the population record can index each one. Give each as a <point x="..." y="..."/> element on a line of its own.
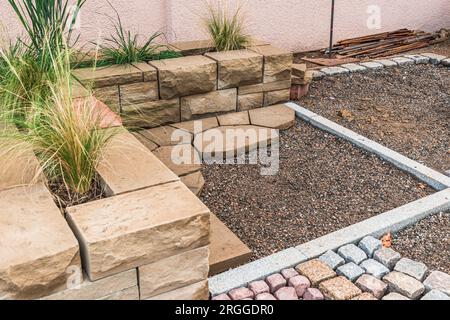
<point x="296" y="25"/>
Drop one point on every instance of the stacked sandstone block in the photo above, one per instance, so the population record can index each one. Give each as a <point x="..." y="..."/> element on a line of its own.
<point x="148" y="240"/>
<point x="193" y="87"/>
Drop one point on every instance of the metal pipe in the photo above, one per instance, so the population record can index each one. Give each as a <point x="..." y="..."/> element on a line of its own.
<point x="331" y="30"/>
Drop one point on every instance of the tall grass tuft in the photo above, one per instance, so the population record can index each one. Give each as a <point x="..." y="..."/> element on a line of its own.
<point x="123" y="46"/>
<point x="226" y="28"/>
<point x="64" y="133"/>
<point x="48" y="23"/>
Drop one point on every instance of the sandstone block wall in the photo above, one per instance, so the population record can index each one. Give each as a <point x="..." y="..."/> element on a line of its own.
<point x="148" y="95"/>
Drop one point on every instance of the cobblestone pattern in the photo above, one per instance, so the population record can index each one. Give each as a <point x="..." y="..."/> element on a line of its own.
<point x="344" y="275"/>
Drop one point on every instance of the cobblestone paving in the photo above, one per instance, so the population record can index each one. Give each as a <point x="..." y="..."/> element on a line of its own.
<point x="365" y="271"/>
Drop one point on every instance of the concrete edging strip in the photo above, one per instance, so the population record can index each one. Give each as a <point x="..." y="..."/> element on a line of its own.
<point x="390" y="221"/>
<point x="433" y="178"/>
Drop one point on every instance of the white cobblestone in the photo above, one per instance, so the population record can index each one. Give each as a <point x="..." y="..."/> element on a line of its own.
<point x="415" y="269"/>
<point x="434" y="58"/>
<point x="387" y="62"/>
<point x="435" y="295"/>
<point x="369" y="245"/>
<point x="373" y="65"/>
<point x="418" y="59"/>
<point x="438" y="280"/>
<point x="353" y="67"/>
<point x="351" y="271"/>
<point x="387" y="257"/>
<point x="332" y="259"/>
<point x="374" y="268"/>
<point x="402" y="61"/>
<point x="352" y="253"/>
<point x="331" y="71"/>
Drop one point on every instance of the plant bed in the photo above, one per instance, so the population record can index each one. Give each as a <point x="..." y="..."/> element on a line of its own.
<point x="405" y="109"/>
<point x="324" y="184"/>
<point x="427" y="241"/>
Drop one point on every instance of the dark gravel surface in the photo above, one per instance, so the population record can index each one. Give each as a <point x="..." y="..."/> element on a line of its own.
<point x="427" y="241"/>
<point x="324" y="184"/>
<point x="406" y="109"/>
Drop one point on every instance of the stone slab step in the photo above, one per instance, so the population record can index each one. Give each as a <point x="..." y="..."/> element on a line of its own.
<point x="128" y="165"/>
<point x="226" y="249"/>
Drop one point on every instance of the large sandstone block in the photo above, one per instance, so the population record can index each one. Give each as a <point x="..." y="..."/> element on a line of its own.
<point x="195" y="47"/>
<point x="129" y="294"/>
<point x="203" y="105"/>
<point x="196" y="291"/>
<point x="149" y="73"/>
<point x="184" y="269"/>
<point x="109" y="96"/>
<point x="127" y="165"/>
<point x="277" y="63"/>
<point x="274" y="97"/>
<point x="109" y="76"/>
<point x="186" y="76"/>
<point x="38" y="252"/>
<point x="237" y="68"/>
<point x="151" y="114"/>
<point x="250" y="101"/>
<point x="139" y="228"/>
<point x="89" y="290"/>
<point x="181" y="159"/>
<point x="139" y="92"/>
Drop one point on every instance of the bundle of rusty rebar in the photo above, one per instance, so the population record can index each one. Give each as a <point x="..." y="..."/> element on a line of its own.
<point x="383" y="44"/>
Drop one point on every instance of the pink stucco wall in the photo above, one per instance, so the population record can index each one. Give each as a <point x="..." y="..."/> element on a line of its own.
<point x="296" y="25"/>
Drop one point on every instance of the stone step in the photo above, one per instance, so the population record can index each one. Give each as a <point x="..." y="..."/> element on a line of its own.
<point x="226" y="249"/>
<point x="128" y="165"/>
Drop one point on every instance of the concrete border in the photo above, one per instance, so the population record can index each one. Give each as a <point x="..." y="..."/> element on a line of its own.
<point x="377" y="64"/>
<point x="433" y="178"/>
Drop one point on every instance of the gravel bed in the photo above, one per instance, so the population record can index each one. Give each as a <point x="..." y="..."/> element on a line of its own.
<point x="324" y="184"/>
<point x="406" y="109"/>
<point x="427" y="241"/>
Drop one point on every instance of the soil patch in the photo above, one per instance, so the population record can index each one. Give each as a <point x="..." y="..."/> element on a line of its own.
<point x="427" y="241"/>
<point x="406" y="109"/>
<point x="64" y="198"/>
<point x="324" y="184"/>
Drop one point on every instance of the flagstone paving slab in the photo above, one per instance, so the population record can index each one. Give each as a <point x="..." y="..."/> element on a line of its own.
<point x="167" y="136"/>
<point x="197" y="126"/>
<point x="181" y="159"/>
<point x="277" y="117"/>
<point x="234" y="119"/>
